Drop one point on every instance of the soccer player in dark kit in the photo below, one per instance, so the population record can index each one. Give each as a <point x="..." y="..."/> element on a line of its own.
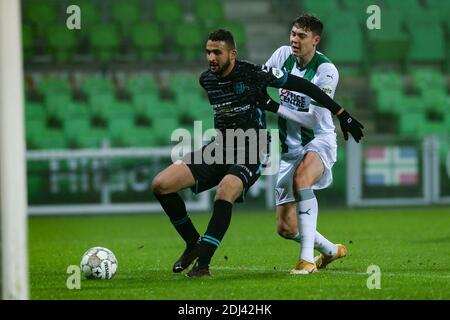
<point x="236" y="90"/>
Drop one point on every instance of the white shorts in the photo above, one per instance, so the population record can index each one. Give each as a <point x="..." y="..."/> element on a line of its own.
<point x="325" y="148"/>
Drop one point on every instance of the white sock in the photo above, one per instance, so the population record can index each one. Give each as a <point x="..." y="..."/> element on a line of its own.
<point x="325" y="246"/>
<point x="321" y="244"/>
<point x="307" y="223"/>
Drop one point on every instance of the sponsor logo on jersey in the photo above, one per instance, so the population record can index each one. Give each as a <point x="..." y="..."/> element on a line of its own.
<point x="277" y="73"/>
<point x="327" y="89"/>
<point x="239" y="88"/>
<point x="299" y="102"/>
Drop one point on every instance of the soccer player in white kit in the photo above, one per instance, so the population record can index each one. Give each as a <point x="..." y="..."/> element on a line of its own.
<point x="308" y="140"/>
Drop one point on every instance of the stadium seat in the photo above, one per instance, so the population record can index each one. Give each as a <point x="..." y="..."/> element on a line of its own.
<point x="27" y="41"/>
<point x="238" y="30"/>
<point x="57" y="105"/>
<point x="93" y="84"/>
<point x="151" y="107"/>
<point x="75" y="128"/>
<point x="34" y="111"/>
<point x="412" y="124"/>
<point x="389" y="101"/>
<point x="141" y="83"/>
<point x="181" y="83"/>
<point x="345" y="44"/>
<point x="425" y="79"/>
<point x="41" y="14"/>
<point x="33" y="128"/>
<point x="48" y="139"/>
<point x="104" y="39"/>
<point x="140" y="137"/>
<point x="90" y="14"/>
<point x="386" y="80"/>
<point x="208" y="12"/>
<point x="427" y="44"/>
<point x="164" y="128"/>
<point x="118" y="129"/>
<point x="322" y="9"/>
<point x="126" y="13"/>
<point x="92" y="138"/>
<point x="436" y="100"/>
<point x="189" y="39"/>
<point x="167" y="13"/>
<point x="62" y="42"/>
<point x="53" y="85"/>
<point x="390" y="43"/>
<point x="147" y="39"/>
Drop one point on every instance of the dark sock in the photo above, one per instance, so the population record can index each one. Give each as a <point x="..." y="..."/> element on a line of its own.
<point x="218" y="225"/>
<point x="175" y="208"/>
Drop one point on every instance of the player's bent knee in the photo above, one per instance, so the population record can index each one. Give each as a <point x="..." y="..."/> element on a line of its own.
<point x="159" y="185"/>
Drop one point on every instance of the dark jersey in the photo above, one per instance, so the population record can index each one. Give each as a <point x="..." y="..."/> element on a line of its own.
<point x="235" y="98"/>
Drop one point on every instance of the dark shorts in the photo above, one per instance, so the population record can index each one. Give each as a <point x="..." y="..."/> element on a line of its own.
<point x="208" y="176"/>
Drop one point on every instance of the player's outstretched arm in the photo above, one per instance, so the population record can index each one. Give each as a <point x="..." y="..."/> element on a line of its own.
<point x="347" y="122"/>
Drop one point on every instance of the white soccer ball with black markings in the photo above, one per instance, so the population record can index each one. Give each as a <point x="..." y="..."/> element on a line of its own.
<point x="99" y="263"/>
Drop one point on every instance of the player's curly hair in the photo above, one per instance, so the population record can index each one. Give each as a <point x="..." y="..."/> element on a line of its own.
<point x="309" y="22"/>
<point x="223" y="35"/>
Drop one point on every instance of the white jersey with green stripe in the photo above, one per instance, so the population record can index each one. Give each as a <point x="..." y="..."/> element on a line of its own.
<point x="320" y="71"/>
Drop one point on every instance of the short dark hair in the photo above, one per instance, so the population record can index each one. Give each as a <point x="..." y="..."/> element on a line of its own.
<point x="223" y="35"/>
<point x="309" y="22"/>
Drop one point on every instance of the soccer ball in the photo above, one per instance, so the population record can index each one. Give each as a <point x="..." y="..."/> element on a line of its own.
<point x="99" y="263"/>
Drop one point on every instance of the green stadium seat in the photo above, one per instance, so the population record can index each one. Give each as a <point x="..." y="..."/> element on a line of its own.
<point x="141" y="83"/>
<point x="90" y="14"/>
<point x="50" y="139"/>
<point x="33" y="128"/>
<point x="390" y="43"/>
<point x="62" y="42"/>
<point x="164" y="128"/>
<point x="41" y="14"/>
<point x="27" y="41"/>
<point x="52" y="85"/>
<point x="34" y="111"/>
<point x="238" y="30"/>
<point x="189" y="39"/>
<point x="126" y="13"/>
<point x="427" y="44"/>
<point x="140" y="137"/>
<point x="412" y="124"/>
<point x="389" y="101"/>
<point x="345" y="45"/>
<point x="181" y="83"/>
<point x="322" y="9"/>
<point x="95" y="84"/>
<point x="92" y="138"/>
<point x="75" y="128"/>
<point x="57" y="105"/>
<point x="167" y="13"/>
<point x="118" y="129"/>
<point x="209" y="12"/>
<point x="386" y="80"/>
<point x="426" y="79"/>
<point x="104" y="39"/>
<point x="147" y="39"/>
<point x="436" y="100"/>
<point x="152" y="107"/>
<point x="105" y="106"/>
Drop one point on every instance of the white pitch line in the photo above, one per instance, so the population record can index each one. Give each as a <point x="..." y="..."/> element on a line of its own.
<point x="329" y="271"/>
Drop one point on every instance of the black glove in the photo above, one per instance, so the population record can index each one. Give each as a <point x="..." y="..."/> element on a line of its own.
<point x="350" y="124"/>
<point x="268" y="104"/>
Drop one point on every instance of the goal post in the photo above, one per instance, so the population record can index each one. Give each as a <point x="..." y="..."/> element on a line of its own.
<point x="13" y="195"/>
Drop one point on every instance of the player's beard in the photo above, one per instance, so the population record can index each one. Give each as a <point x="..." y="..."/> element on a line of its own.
<point x="221" y="69"/>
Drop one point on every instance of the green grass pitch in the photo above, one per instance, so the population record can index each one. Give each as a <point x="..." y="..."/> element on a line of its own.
<point x="411" y="247"/>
